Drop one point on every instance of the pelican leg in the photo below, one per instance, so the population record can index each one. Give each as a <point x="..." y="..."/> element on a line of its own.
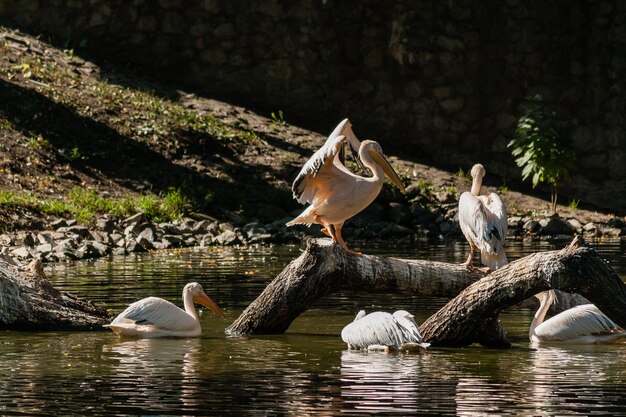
<point x="342" y="243"/>
<point x="468" y="262"/>
<point x="326" y="232"/>
<point x="328" y="228"/>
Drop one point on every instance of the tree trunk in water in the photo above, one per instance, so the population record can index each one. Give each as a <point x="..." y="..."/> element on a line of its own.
<point x="29" y="302"/>
<point x="324" y="268"/>
<point x="472" y="316"/>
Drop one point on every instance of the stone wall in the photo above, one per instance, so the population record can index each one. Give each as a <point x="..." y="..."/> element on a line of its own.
<point x="436" y="79"/>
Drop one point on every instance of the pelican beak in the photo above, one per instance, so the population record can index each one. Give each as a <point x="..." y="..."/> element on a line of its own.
<point x="386" y="166"/>
<point x="206" y="301"/>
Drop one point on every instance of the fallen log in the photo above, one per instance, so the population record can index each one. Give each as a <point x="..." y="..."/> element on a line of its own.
<point x="472" y="316"/>
<point x="28" y="301"/>
<point x="324" y="268"/>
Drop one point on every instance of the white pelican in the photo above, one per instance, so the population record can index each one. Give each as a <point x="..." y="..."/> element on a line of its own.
<point x="334" y="193"/>
<point x="583" y="324"/>
<point x="483" y="221"/>
<point x="156" y="317"/>
<point x="382" y="331"/>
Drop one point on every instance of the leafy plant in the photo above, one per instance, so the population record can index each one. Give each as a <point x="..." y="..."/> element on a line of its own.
<point x="463" y="174"/>
<point x="541" y="147"/>
<point x="278" y="118"/>
<point x="573" y="204"/>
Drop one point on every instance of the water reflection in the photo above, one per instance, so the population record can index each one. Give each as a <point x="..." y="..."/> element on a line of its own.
<point x="306" y="371"/>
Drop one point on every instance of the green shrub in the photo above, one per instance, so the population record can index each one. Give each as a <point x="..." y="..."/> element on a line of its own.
<point x="541" y="147"/>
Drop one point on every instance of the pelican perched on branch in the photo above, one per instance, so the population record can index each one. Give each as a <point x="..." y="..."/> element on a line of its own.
<point x="383" y="331"/>
<point x="156" y="317"/>
<point x="583" y="324"/>
<point x="334" y="193"/>
<point x="483" y="221"/>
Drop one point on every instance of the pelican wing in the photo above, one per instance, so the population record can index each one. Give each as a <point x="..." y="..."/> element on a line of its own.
<point x="408" y="326"/>
<point x="474" y="222"/>
<point x="496" y="216"/>
<point x="324" y="160"/>
<point x="376" y="328"/>
<point x="583" y="320"/>
<point x="157" y="312"/>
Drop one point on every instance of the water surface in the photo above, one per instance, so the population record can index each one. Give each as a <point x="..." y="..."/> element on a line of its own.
<point x="306" y="371"/>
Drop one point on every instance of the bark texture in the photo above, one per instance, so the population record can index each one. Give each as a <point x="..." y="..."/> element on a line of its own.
<point x="29" y="302"/>
<point x="324" y="268"/>
<point x="470" y="317"/>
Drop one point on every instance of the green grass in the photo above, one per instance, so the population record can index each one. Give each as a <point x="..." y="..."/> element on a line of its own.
<point x="464" y="175"/>
<point x="85" y="205"/>
<point x="573" y="204"/>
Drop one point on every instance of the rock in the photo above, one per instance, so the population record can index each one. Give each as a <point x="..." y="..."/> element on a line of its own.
<point x="71" y="222"/>
<point x="169" y="229"/>
<point x="616" y="223"/>
<point x="58" y="223"/>
<point x="514" y="222"/>
<point x="80" y="231"/>
<point x="43" y="249"/>
<point x="532" y="227"/>
<point x="576" y="225"/>
<point x="90" y="250"/>
<point x="201" y="227"/>
<point x="254" y="228"/>
<point x="446" y="197"/>
<point x="395" y="230"/>
<point x="190" y="241"/>
<point x="45" y="237"/>
<point x="174" y="241"/>
<point x="186" y="224"/>
<point x="612" y="232"/>
<point x="106" y="225"/>
<point x="207" y="240"/>
<point x="133" y="230"/>
<point x="590" y="228"/>
<point x="227" y="237"/>
<point x="143" y="241"/>
<point x="147" y="233"/>
<point x="556" y="226"/>
<point x="28" y="240"/>
<point x="134" y="246"/>
<point x="136" y="218"/>
<point x="399" y="213"/>
<point x="66" y="248"/>
<point x="226" y="227"/>
<point x="417" y="209"/>
<point x="115" y="237"/>
<point x="6" y="240"/>
<point x="21" y="253"/>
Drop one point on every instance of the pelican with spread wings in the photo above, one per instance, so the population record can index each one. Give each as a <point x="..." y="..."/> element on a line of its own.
<point x="583" y="324"/>
<point x="483" y="221"/>
<point x="334" y="193"/>
<point x="156" y="317"/>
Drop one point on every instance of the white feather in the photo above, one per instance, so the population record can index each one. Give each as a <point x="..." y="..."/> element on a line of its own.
<point x="381" y="328"/>
<point x="582" y="324"/>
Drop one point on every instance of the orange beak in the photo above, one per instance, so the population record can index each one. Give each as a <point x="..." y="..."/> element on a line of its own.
<point x="206" y="301"/>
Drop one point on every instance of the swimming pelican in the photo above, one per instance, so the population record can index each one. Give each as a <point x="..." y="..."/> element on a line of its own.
<point x="382" y="331"/>
<point x="583" y="324"/>
<point x="483" y="221"/>
<point x="156" y="317"/>
<point x="334" y="193"/>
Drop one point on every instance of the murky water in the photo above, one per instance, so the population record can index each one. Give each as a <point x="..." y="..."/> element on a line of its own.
<point x="306" y="371"/>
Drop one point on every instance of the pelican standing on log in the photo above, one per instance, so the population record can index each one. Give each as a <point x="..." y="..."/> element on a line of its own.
<point x="334" y="193"/>
<point x="383" y="331"/>
<point x="583" y="324"/>
<point x="156" y="317"/>
<point x="483" y="221"/>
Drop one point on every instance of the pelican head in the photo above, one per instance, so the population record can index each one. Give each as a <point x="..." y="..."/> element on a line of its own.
<point x="403" y="314"/>
<point x="478" y="171"/>
<point x="200" y="297"/>
<point x="371" y="150"/>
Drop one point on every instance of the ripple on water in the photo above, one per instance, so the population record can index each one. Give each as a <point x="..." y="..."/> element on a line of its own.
<point x="307" y="371"/>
